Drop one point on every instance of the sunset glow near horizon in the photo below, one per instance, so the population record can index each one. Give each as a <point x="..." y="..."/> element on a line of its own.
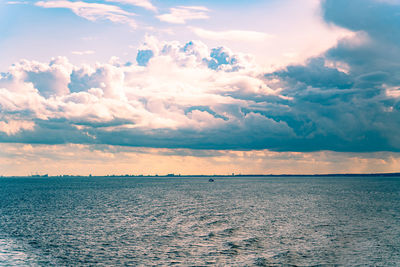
<point x="199" y="87"/>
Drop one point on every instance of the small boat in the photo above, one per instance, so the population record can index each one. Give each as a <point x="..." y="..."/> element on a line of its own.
<point x="211" y="180"/>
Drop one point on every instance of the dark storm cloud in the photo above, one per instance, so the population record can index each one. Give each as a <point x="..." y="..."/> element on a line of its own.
<point x="355" y="109"/>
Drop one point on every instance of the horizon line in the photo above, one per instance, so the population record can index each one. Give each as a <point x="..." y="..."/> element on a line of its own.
<point x="202" y="175"/>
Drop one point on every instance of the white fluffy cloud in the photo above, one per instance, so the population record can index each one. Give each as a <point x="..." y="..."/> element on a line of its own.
<point x="191" y="93"/>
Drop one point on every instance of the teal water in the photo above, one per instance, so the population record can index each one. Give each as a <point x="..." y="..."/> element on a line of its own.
<point x="237" y="221"/>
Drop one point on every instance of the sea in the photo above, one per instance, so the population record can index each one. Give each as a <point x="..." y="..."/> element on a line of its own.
<point x="189" y="221"/>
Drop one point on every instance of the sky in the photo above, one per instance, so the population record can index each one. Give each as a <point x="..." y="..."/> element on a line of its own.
<point x="199" y="87"/>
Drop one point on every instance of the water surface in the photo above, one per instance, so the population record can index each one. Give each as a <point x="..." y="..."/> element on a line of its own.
<point x="236" y="221"/>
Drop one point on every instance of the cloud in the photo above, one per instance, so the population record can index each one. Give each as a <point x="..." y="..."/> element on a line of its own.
<point x="93" y="11"/>
<point x="231" y="35"/>
<point x="181" y="14"/>
<point x="146" y="105"/>
<point x="194" y="54"/>
<point x="190" y="96"/>
<point x="355" y="108"/>
<point x="141" y="3"/>
<point x="13" y="126"/>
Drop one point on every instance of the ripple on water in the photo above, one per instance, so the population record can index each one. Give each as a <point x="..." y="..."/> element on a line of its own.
<point x="17" y="253"/>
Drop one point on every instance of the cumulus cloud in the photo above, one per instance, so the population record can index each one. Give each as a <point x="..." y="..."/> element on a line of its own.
<point x="181" y="14"/>
<point x="93" y="11"/>
<point x="136" y="105"/>
<point x="194" y="54"/>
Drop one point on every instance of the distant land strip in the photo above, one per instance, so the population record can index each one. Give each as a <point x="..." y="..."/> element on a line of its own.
<point x="393" y="174"/>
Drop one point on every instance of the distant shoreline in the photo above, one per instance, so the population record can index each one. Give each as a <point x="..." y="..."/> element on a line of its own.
<point x="204" y="175"/>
